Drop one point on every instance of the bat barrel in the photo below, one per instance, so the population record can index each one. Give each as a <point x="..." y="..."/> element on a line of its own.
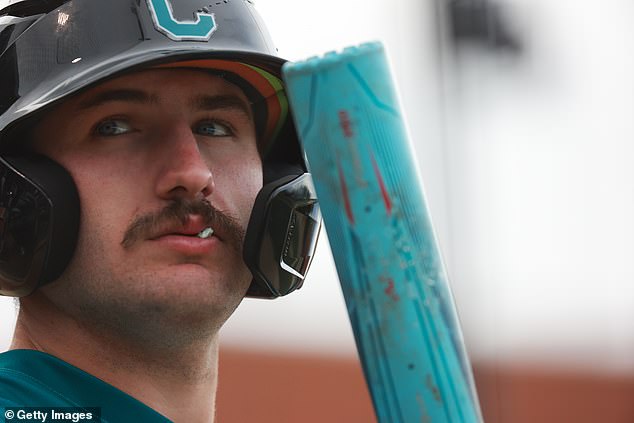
<point x="402" y="313"/>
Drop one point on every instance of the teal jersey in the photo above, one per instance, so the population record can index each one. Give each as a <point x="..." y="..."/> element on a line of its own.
<point x="31" y="378"/>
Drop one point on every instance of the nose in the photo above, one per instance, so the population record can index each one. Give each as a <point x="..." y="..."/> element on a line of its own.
<point x="184" y="172"/>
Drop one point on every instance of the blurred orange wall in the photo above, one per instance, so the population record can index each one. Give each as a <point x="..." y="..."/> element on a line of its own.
<point x="279" y="388"/>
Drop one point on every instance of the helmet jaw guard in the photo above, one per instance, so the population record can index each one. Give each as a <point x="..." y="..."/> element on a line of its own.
<point x="39" y="223"/>
<point x="48" y="55"/>
<point x="282" y="235"/>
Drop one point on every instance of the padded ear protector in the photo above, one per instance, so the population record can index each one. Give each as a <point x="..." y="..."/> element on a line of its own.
<point x="39" y="222"/>
<point x="282" y="233"/>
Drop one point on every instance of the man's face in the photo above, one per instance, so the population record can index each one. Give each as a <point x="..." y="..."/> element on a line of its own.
<point x="149" y="152"/>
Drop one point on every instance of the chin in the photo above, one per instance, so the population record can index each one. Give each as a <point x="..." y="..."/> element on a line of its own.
<point x="172" y="304"/>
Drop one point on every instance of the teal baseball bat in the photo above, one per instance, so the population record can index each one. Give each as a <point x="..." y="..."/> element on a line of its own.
<point x="395" y="287"/>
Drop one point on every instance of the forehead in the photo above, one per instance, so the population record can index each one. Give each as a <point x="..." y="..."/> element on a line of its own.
<point x="163" y="84"/>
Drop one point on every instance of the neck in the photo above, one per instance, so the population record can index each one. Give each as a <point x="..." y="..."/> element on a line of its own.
<point x="177" y="381"/>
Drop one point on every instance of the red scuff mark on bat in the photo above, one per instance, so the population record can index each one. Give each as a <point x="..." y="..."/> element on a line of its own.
<point x="346" y="197"/>
<point x="345" y="123"/>
<point x="429" y="382"/>
<point x="384" y="193"/>
<point x="391" y="291"/>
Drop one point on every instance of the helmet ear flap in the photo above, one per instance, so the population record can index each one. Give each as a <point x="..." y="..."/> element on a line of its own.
<point x="282" y="233"/>
<point x="37" y="236"/>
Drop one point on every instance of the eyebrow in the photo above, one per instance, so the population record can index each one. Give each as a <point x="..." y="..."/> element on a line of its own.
<point x="215" y="102"/>
<point x="201" y="102"/>
<point x="123" y="95"/>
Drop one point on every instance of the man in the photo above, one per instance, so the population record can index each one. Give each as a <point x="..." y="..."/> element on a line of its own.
<point x="150" y="179"/>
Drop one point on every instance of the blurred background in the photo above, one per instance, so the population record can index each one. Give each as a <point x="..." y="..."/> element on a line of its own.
<point x="521" y="116"/>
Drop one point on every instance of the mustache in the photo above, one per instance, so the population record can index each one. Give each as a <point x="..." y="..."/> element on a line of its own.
<point x="178" y="212"/>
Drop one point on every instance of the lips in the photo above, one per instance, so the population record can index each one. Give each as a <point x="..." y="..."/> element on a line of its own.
<point x="193" y="239"/>
<point x="194" y="227"/>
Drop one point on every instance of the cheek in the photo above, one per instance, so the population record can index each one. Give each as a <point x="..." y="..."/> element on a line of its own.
<point x="105" y="192"/>
<point x="239" y="183"/>
<point x="252" y="171"/>
<point x="107" y="198"/>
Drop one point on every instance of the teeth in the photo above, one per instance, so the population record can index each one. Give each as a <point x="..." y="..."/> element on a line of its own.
<point x="205" y="233"/>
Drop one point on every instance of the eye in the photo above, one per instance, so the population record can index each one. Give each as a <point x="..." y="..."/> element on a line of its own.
<point x="213" y="129"/>
<point x="112" y="127"/>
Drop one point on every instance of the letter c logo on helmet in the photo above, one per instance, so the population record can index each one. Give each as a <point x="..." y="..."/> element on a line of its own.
<point x="164" y="21"/>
